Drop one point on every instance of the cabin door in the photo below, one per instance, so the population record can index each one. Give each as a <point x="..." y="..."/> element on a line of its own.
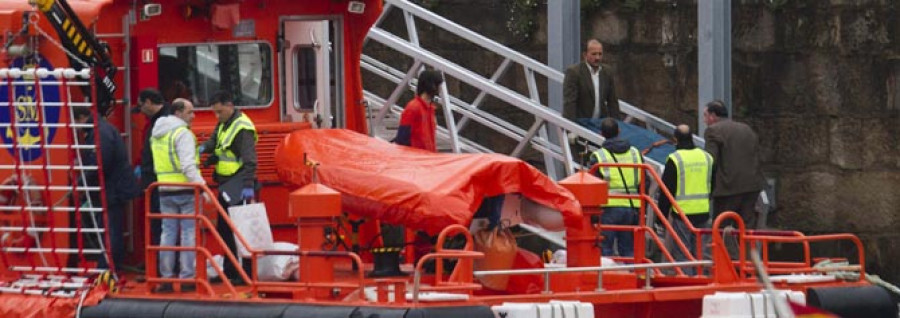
<point x="307" y="56"/>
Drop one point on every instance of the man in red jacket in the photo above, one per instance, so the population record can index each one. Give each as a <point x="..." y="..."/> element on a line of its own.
<point x="417" y="123"/>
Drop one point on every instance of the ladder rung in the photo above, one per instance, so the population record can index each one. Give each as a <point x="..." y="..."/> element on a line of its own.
<point x="53" y="104"/>
<point x="45" y="209"/>
<point x="48" y="284"/>
<point x="109" y="35"/>
<point x="53" y="277"/>
<point x="49" y="269"/>
<point x="50" y="187"/>
<point x="51" y="146"/>
<point x="47" y="229"/>
<point x="47" y="83"/>
<point x="49" y="167"/>
<point x="50" y="250"/>
<point x="47" y="125"/>
<point x="39" y="292"/>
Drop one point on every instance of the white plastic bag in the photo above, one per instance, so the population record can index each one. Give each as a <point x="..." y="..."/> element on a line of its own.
<point x="253" y="224"/>
<point x="279" y="267"/>
<point x="210" y="271"/>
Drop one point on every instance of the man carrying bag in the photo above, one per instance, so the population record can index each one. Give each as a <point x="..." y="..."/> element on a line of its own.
<point x="233" y="148"/>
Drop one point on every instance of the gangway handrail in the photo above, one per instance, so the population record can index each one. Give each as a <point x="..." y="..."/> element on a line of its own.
<point x="530" y="66"/>
<point x="473" y="37"/>
<point x="476" y="80"/>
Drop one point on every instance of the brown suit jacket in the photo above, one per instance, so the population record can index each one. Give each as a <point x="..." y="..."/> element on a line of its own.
<point x="735" y="150"/>
<point x="578" y="93"/>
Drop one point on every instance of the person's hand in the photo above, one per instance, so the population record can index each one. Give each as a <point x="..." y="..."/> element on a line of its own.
<point x="206" y="198"/>
<point x="247" y="194"/>
<point x="211" y="160"/>
<point x="137" y="171"/>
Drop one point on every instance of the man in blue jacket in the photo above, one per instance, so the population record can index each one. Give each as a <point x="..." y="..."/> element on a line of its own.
<point x="120" y="185"/>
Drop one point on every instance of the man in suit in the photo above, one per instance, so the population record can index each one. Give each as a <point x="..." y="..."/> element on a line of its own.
<point x="737" y="178"/>
<point x="587" y="80"/>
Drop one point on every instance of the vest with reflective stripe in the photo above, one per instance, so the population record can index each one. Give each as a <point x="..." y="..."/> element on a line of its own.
<point x="165" y="159"/>
<point x="612" y="175"/>
<point x="229" y="163"/>
<point x="694" y="172"/>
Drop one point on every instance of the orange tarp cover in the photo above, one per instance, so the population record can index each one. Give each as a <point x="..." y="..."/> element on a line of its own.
<point x="37" y="306"/>
<point x="412" y="187"/>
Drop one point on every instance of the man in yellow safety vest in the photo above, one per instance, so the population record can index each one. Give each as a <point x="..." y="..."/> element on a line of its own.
<point x="233" y="148"/>
<point x="173" y="146"/>
<point x="688" y="176"/>
<point x="621" y="181"/>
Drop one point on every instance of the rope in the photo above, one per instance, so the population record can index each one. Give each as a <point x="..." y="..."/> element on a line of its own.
<point x="41" y="116"/>
<point x="854" y="276"/>
<point x="52" y="40"/>
<point x="18" y="168"/>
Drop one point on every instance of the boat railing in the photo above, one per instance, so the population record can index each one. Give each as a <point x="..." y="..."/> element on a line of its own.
<point x="546" y="272"/>
<point x="461" y="277"/>
<point x="747" y="238"/>
<point x="763" y="237"/>
<point x="203" y="254"/>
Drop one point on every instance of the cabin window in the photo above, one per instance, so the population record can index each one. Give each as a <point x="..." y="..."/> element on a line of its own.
<point x="198" y="71"/>
<point x="305" y="96"/>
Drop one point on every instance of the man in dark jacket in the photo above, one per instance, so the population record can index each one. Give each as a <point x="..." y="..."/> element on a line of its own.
<point x="687" y="176"/>
<point x="119" y="183"/>
<point x="589" y="90"/>
<point x="737" y="179"/>
<point x="150" y="103"/>
<point x="233" y="148"/>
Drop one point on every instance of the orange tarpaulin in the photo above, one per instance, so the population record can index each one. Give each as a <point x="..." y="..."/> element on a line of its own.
<point x="27" y="306"/>
<point x="415" y="188"/>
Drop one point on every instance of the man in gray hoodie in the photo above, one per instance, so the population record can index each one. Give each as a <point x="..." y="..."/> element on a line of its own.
<point x="175" y="160"/>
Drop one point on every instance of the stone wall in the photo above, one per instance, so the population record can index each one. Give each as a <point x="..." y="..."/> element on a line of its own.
<point x="818" y="80"/>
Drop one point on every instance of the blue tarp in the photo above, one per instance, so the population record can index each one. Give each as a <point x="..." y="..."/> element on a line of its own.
<point x="640" y="138"/>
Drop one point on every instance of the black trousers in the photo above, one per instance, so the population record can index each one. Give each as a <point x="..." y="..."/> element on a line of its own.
<point x="228" y="236"/>
<point x="742" y="203"/>
<point x="155" y="224"/>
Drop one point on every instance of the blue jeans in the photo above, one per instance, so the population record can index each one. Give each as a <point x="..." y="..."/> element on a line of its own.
<point x="624" y="240"/>
<point x="177" y="204"/>
<point x="690" y="241"/>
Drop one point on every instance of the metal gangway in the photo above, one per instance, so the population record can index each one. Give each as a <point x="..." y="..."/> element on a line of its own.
<point x="502" y="87"/>
<point x="52" y="207"/>
<point x="513" y="84"/>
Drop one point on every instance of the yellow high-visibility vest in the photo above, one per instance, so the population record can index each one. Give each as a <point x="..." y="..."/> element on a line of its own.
<point x="165" y="159"/>
<point x="612" y="175"/>
<point x="229" y="163"/>
<point x="694" y="171"/>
